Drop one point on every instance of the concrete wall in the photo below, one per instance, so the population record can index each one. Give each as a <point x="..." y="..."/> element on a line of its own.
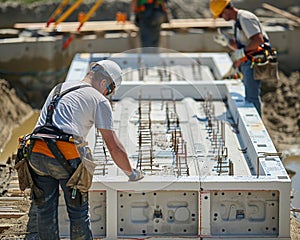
<point x="13" y="12"/>
<point x="36" y="64"/>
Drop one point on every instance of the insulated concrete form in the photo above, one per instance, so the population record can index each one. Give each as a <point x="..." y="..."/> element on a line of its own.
<point x="40" y="54"/>
<point x="211" y="169"/>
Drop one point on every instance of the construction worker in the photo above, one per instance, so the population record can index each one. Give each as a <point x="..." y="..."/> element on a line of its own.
<point x="248" y="36"/>
<point x="148" y="15"/>
<point x="78" y="106"/>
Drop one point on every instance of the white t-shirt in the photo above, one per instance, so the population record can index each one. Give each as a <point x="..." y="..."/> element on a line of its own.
<point x="250" y="26"/>
<point x="78" y="110"/>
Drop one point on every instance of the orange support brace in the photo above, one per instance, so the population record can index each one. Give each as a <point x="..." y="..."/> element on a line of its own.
<point x="68" y="12"/>
<point x="57" y="12"/>
<point x="82" y="18"/>
<point x="67" y="42"/>
<point x="89" y="14"/>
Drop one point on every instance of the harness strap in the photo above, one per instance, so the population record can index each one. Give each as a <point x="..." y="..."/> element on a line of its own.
<point x="238" y="25"/>
<point x="48" y="128"/>
<point x="52" y="105"/>
<point x="58" y="155"/>
<point x="56" y="97"/>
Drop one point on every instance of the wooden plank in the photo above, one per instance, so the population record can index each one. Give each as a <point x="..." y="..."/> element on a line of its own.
<point x="11" y="214"/>
<point x="5" y="227"/>
<point x="72" y="26"/>
<point x="98" y="26"/>
<point x="3" y="200"/>
<point x="8" y="209"/>
<point x="15" y="192"/>
<point x="281" y="12"/>
<point x="196" y="23"/>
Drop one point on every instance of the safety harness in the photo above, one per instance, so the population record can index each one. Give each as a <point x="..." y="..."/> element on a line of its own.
<point x="51" y="134"/>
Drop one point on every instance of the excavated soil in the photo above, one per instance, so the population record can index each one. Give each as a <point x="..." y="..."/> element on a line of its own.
<point x="281" y="111"/>
<point x="12" y="111"/>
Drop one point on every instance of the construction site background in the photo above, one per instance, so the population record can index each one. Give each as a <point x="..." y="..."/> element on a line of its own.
<point x="281" y="100"/>
<point x="39" y="11"/>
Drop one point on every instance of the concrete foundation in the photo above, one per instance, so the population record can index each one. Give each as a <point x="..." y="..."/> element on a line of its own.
<point x="223" y="180"/>
<point x="38" y="63"/>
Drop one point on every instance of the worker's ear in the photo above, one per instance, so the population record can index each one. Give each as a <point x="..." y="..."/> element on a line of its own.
<point x="103" y="86"/>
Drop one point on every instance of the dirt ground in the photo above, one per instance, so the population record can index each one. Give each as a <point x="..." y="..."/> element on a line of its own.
<point x="281" y="110"/>
<point x="12" y="111"/>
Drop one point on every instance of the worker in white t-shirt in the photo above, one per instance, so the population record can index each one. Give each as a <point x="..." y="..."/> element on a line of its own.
<point x="58" y="147"/>
<point x="248" y="37"/>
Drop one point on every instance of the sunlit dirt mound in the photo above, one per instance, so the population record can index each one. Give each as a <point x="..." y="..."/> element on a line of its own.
<point x="12" y="111"/>
<point x="281" y="110"/>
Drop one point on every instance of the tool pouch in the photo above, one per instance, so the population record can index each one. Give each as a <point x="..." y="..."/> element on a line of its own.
<point x="23" y="168"/>
<point x="21" y="163"/>
<point x="24" y="176"/>
<point x="82" y="178"/>
<point x="266" y="64"/>
<point x="81" y="181"/>
<point x="266" y="71"/>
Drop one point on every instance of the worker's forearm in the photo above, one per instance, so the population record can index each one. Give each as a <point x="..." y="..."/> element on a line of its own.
<point x="117" y="150"/>
<point x="255" y="42"/>
<point x="121" y="160"/>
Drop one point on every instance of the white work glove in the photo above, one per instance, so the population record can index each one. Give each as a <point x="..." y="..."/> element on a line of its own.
<point x="221" y="38"/>
<point x="136" y="175"/>
<point x="237" y="54"/>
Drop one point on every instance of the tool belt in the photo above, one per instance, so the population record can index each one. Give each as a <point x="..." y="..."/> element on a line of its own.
<point x="52" y="142"/>
<point x="21" y="163"/>
<point x="81" y="177"/>
<point x="66" y="143"/>
<point x="46" y="144"/>
<point x="264" y="63"/>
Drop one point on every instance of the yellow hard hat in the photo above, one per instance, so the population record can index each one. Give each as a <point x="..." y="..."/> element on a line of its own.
<point x="218" y="6"/>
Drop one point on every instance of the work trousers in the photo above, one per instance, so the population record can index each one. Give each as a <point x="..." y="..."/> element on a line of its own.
<point x="252" y="86"/>
<point x="150" y="26"/>
<point x="48" y="175"/>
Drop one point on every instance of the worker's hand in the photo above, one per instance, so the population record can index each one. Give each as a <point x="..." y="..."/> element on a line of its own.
<point x="233" y="45"/>
<point x="136" y="175"/>
<point x="132" y="17"/>
<point x="238" y="55"/>
<point x="221" y="38"/>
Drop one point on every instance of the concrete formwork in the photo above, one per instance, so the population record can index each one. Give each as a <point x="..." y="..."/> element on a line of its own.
<point x="40" y="61"/>
<point x="203" y="198"/>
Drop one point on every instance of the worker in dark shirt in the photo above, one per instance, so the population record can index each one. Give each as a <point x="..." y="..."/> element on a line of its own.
<point x="148" y="15"/>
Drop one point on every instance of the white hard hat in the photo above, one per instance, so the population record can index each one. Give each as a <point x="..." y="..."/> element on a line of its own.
<point x="112" y="69"/>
